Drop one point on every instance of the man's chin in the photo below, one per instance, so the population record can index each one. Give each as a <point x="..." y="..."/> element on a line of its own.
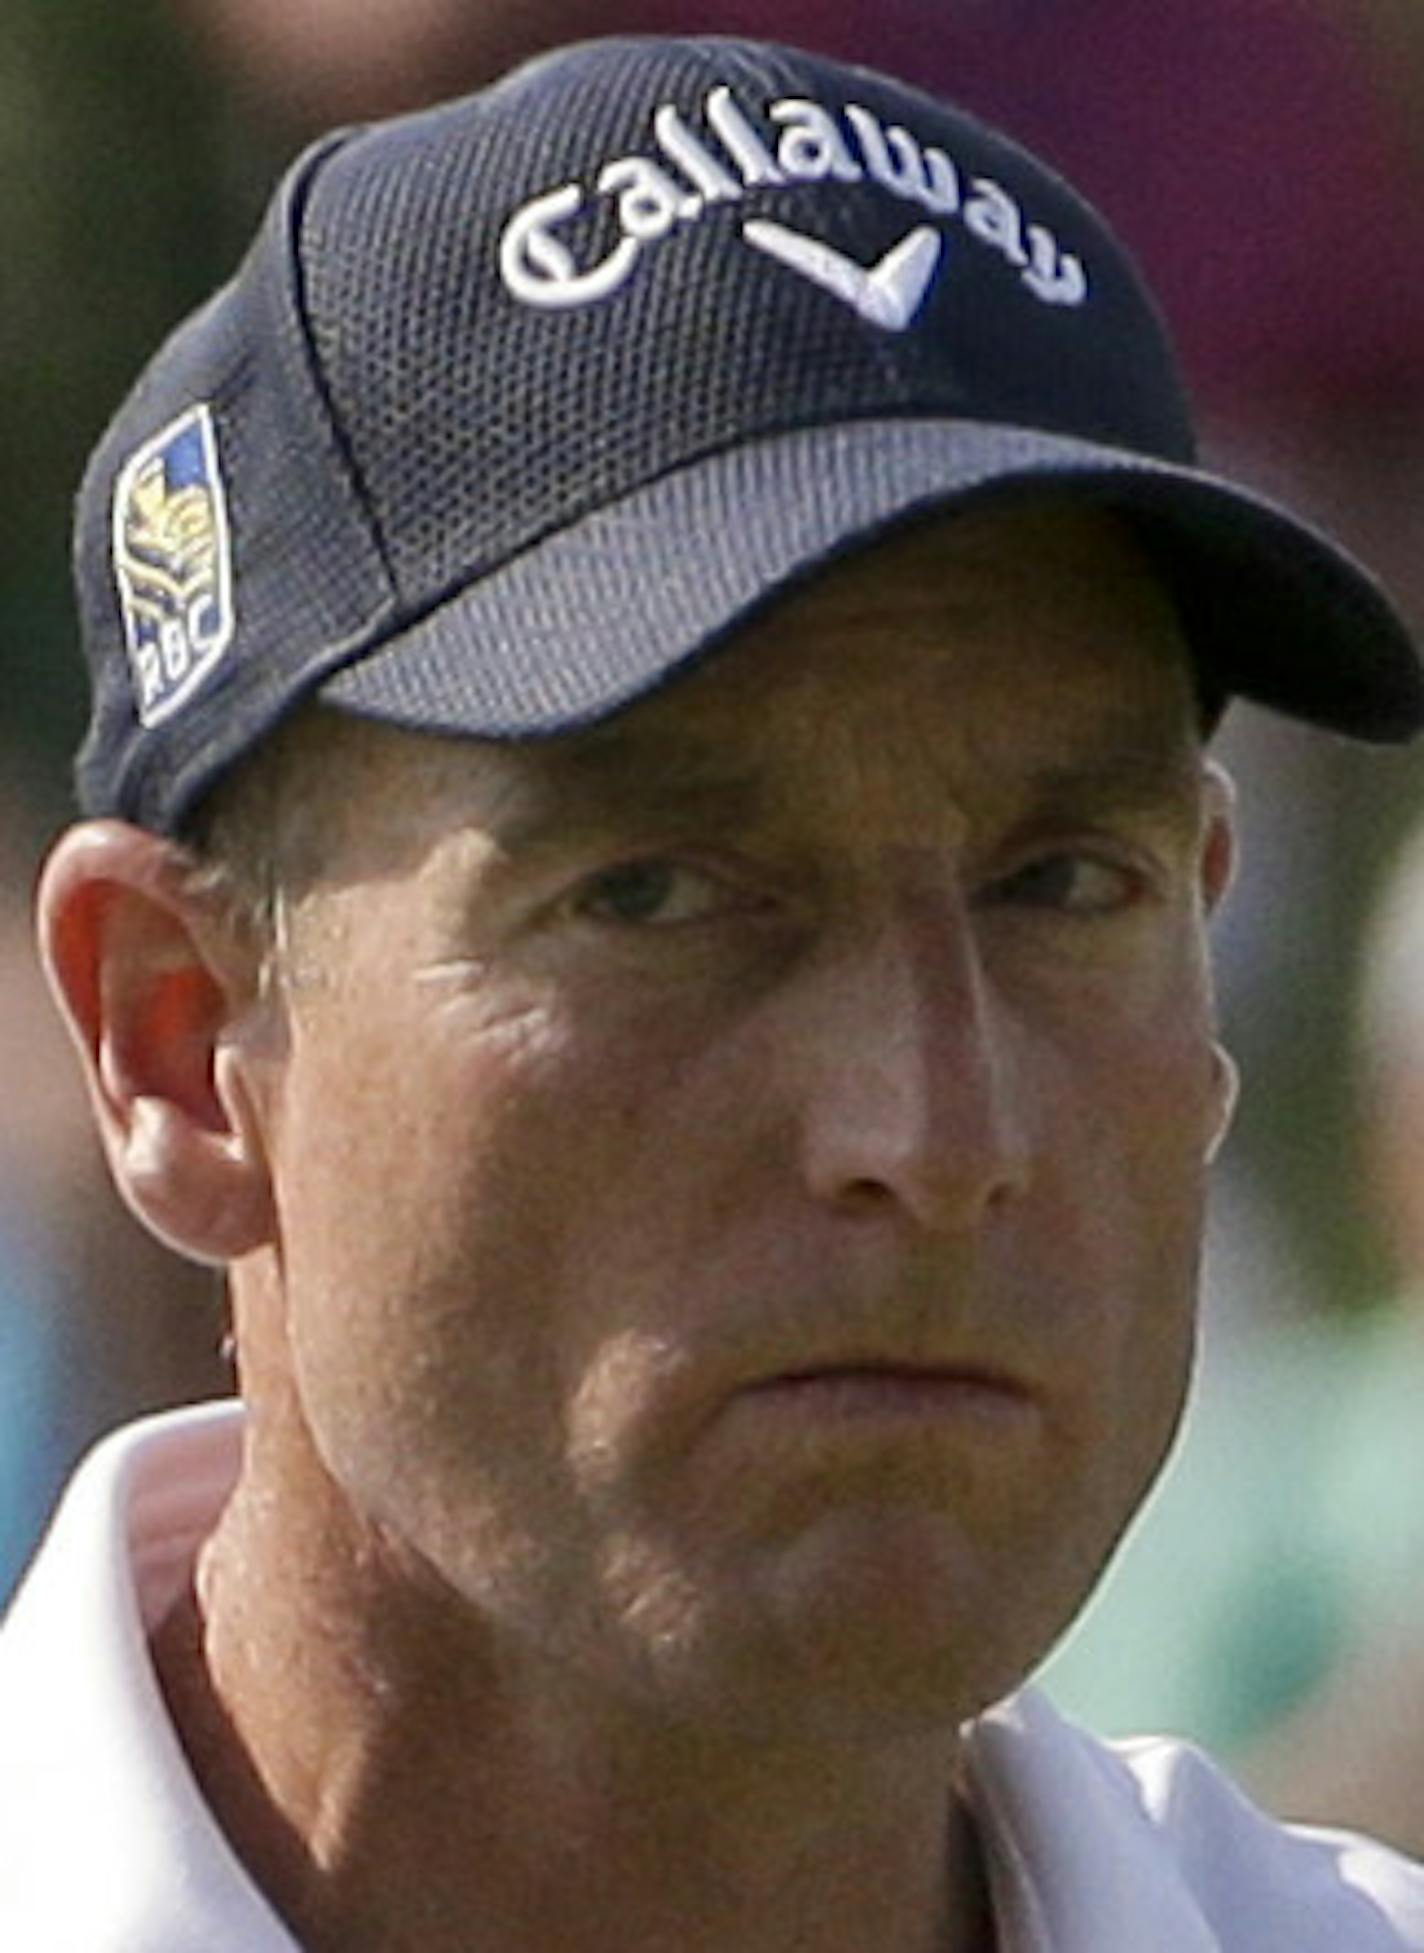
<point x="868" y="1625"/>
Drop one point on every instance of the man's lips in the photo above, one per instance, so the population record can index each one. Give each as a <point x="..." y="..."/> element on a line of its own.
<point x="892" y="1389"/>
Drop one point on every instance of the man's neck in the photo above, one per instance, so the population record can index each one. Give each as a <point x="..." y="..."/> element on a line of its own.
<point x="403" y="1793"/>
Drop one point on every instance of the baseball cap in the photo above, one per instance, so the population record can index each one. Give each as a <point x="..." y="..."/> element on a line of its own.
<point x="519" y="404"/>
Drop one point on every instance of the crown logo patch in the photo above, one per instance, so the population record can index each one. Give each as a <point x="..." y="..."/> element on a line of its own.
<point x="173" y="563"/>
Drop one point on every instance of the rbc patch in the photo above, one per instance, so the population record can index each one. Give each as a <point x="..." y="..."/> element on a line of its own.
<point x="173" y="563"/>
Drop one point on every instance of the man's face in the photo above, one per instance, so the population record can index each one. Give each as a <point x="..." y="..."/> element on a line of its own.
<point x="739" y="1169"/>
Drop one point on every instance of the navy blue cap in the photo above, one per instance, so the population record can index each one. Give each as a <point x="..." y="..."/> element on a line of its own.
<point x="519" y="404"/>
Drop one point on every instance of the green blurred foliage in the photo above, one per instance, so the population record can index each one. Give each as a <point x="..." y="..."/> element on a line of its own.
<point x="126" y="196"/>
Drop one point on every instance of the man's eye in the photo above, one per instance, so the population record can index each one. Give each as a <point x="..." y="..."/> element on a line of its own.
<point x="1073" y="884"/>
<point x="651" y="894"/>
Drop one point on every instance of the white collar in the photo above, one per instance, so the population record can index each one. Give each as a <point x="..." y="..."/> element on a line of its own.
<point x="107" y="1842"/>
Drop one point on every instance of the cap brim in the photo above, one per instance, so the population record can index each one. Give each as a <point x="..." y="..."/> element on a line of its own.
<point x="600" y="612"/>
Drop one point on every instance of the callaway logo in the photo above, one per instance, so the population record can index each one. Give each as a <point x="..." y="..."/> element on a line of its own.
<point x="888" y="296"/>
<point x="805" y="143"/>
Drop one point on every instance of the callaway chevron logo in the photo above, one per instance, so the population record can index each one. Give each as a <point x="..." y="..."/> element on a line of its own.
<point x="889" y="295"/>
<point x="797" y="142"/>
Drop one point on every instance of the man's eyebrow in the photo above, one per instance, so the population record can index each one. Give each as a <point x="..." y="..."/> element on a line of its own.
<point x="619" y="775"/>
<point x="1148" y="777"/>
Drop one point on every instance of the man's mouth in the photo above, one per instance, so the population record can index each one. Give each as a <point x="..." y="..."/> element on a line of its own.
<point x="885" y="1390"/>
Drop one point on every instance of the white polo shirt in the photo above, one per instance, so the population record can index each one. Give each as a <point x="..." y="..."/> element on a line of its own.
<point x="107" y="1847"/>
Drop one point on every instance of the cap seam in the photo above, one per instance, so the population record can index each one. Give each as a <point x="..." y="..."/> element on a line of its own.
<point x="299" y="195"/>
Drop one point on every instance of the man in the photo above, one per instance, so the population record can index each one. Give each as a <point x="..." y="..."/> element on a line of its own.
<point x="644" y="897"/>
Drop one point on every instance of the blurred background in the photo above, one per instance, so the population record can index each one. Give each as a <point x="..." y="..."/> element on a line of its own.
<point x="1265" y="159"/>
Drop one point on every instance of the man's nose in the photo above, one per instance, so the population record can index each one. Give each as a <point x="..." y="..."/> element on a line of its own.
<point x="915" y="1087"/>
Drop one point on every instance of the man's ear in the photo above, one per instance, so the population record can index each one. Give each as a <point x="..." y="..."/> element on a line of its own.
<point x="1218" y="852"/>
<point x="1218" y="867"/>
<point x="162" y="1001"/>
